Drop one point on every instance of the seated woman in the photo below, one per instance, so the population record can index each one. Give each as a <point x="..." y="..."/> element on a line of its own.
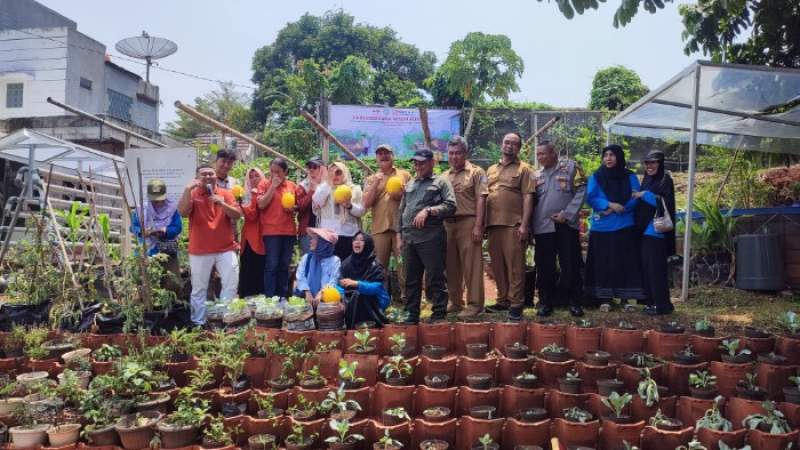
<point x="319" y="267"/>
<point x="361" y="284"/>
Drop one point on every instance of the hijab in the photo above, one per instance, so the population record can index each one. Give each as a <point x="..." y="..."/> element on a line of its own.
<point x="249" y="187"/>
<point x="348" y="179"/>
<point x="158" y="218"/>
<point x="359" y="266"/>
<point x="660" y="184"/>
<point x="323" y="250"/>
<point x="615" y="181"/>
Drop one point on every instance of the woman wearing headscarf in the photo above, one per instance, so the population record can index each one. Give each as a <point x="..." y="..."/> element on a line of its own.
<point x="251" y="259"/>
<point x="162" y="225"/>
<point x="361" y="284"/>
<point x="613" y="263"/>
<point x="344" y="218"/>
<point x="319" y="267"/>
<point x="657" y="191"/>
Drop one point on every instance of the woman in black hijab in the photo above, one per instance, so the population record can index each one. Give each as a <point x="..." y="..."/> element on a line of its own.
<point x="656" y="247"/>
<point x="361" y="278"/>
<point x="612" y="263"/>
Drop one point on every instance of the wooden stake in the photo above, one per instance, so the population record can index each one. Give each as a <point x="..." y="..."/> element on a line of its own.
<point x="325" y="132"/>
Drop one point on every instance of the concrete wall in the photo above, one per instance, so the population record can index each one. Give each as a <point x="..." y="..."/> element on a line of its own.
<point x="86" y="60"/>
<point x="19" y="14"/>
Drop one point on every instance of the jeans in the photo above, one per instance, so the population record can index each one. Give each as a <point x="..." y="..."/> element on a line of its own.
<point x="227" y="264"/>
<point x="276" y="266"/>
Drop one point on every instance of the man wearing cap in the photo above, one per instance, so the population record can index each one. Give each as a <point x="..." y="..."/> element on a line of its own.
<point x="465" y="231"/>
<point x="508" y="215"/>
<point x="162" y="225"/>
<point x="427" y="201"/>
<point x="560" y="188"/>
<point x="384" y="207"/>
<point x="211" y="211"/>
<point x="305" y="213"/>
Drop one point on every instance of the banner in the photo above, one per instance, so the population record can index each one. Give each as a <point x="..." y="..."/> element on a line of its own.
<point x="176" y="167"/>
<point x="363" y="128"/>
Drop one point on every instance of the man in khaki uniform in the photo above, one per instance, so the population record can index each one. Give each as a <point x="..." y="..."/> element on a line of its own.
<point x="465" y="231"/>
<point x="508" y="213"/>
<point x="384" y="209"/>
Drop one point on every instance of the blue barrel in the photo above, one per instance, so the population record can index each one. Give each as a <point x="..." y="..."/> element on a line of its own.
<point x="759" y="262"/>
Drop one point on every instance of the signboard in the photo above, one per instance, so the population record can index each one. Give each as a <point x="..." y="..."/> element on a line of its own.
<point x="174" y="166"/>
<point x="363" y="128"/>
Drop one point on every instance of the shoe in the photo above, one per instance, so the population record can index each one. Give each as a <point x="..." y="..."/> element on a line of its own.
<point x="659" y="312"/>
<point x="410" y="322"/>
<point x="452" y="308"/>
<point x="497" y="307"/>
<point x="515" y="314"/>
<point x="470" y="312"/>
<point x="576" y="311"/>
<point x="544" y="311"/>
<point x="435" y="319"/>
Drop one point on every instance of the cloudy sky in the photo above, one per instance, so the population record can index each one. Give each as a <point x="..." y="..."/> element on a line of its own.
<point x="217" y="39"/>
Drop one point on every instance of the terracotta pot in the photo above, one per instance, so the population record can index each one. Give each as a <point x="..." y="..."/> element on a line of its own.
<point x="677" y="376"/>
<point x="728" y="376"/>
<point x="759" y="345"/>
<point x="51" y="366"/>
<point x="422" y="430"/>
<point x="104" y="367"/>
<point x="612" y="435"/>
<point x="689" y="409"/>
<point x="428" y="366"/>
<point x="570" y="386"/>
<point x="391" y="419"/>
<point x="618" y="342"/>
<point x="102" y="437"/>
<point x="508" y="368"/>
<point x="640" y="410"/>
<point x="514" y="399"/>
<point x="606" y="386"/>
<point x="664" y="345"/>
<point x="549" y="372"/>
<point x="791" y="394"/>
<point x="280" y="400"/>
<point x="176" y="437"/>
<point x="332" y="337"/>
<point x="328" y="363"/>
<point x="425" y="397"/>
<point x="542" y="334"/>
<point x="350" y="341"/>
<point x="792" y="413"/>
<point x="559" y="401"/>
<point x="95" y="341"/>
<point x="707" y="347"/>
<point x="11" y="366"/>
<point x="410" y="332"/>
<point x="655" y="439"/>
<point x="437" y="334"/>
<point x="736" y="409"/>
<point x="711" y="438"/>
<point x="518" y="433"/>
<point x="760" y="440"/>
<point x="531" y="415"/>
<point x="594" y="405"/>
<point x="471" y="429"/>
<point x="508" y="333"/>
<point x="176" y="370"/>
<point x="470" y="333"/>
<point x="591" y="374"/>
<point x="290" y="337"/>
<point x="262" y="441"/>
<point x="774" y="378"/>
<point x="375" y="431"/>
<point x="237" y="422"/>
<point x="788" y="347"/>
<point x="467" y="366"/>
<point x="469" y="398"/>
<point x="62" y="435"/>
<point x="582" y="340"/>
<point x="385" y="397"/>
<point x="574" y="433"/>
<point x="703" y="394"/>
<point x="597" y="358"/>
<point x="318" y="427"/>
<point x="367" y="367"/>
<point x="631" y="375"/>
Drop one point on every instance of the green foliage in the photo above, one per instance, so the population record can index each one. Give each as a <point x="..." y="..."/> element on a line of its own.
<point x="648" y="389"/>
<point x="790" y="322"/>
<point x="731" y="348"/>
<point x="715" y="233"/>
<point x="616" y="402"/>
<point x="701" y="379"/>
<point x="225" y="105"/>
<point x="351" y="81"/>
<point x="337" y="400"/>
<point x="741" y="169"/>
<point x="216" y="431"/>
<point x="363" y="340"/>
<point x="713" y="420"/>
<point x="615" y="88"/>
<point x="347" y="371"/>
<point x="128" y="287"/>
<point x="577" y="414"/>
<point x="298" y="436"/>
<point x="772" y="418"/>
<point x="396" y="366"/>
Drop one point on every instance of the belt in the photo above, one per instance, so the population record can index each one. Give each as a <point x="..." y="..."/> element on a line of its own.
<point x="457" y="218"/>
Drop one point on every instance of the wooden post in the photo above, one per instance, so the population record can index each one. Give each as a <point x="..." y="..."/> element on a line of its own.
<point x="335" y="140"/>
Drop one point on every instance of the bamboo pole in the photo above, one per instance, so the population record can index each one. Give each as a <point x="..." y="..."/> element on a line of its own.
<point x="226" y="129"/>
<point x="325" y="132"/>
<point x="544" y="128"/>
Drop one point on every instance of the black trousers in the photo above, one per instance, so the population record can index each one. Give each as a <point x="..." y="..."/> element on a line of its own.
<point x="560" y="283"/>
<point x="654" y="273"/>
<point x="426" y="260"/>
<point x="251" y="273"/>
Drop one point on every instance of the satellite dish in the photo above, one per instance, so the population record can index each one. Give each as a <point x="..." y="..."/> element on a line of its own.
<point x="146" y="47"/>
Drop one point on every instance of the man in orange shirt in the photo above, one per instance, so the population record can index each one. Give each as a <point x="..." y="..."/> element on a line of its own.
<point x="212" y="211"/>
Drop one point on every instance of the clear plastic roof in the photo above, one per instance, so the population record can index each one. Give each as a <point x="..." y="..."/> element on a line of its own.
<point x="739" y="106"/>
<point x="66" y="157"/>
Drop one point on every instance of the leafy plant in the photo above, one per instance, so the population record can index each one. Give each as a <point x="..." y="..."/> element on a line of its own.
<point x="750" y="382"/>
<point x="648" y="388"/>
<point x="628" y="446"/>
<point x="107" y="353"/>
<point x="298" y="437"/>
<point x="215" y="431"/>
<point x="486" y="440"/>
<point x="572" y="375"/>
<point x="659" y="419"/>
<point x="14" y="341"/>
<point x="724" y="446"/>
<point x="576" y="414"/>
<point x="773" y="419"/>
<point x="364" y="340"/>
<point x="398" y="343"/>
<point x="713" y="420"/>
<point x="553" y="348"/>
<point x="790" y="322"/>
<point x="731" y="347"/>
<point x="397" y="366"/>
<point x="398" y="412"/>
<point x="265" y="403"/>
<point x="701" y="379"/>
<point x="387" y="442"/>
<point x="343" y="435"/>
<point x="347" y="371"/>
<point x="703" y="324"/>
<point x="643" y="360"/>
<point x="189" y="411"/>
<point x="337" y="400"/>
<point x="303" y="405"/>
<point x="616" y="402"/>
<point x="694" y="444"/>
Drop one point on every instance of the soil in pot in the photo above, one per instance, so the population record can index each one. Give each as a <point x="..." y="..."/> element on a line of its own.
<point x="672" y="328"/>
<point x="437" y="414"/>
<point x="570" y="386"/>
<point x="618" y="419"/>
<point x="262" y="442"/>
<point x="264" y="414"/>
<point x="685" y="359"/>
<point x="606" y="387"/>
<point x="64" y="434"/>
<point x="434" y="444"/>
<point x="669" y="424"/>
<point x="480" y="381"/>
<point x="477" y="350"/>
<point x="279" y="385"/>
<point x="771" y="358"/>
<point x="487" y="412"/>
<point x="597" y="358"/>
<point x="516" y="351"/>
<point x="437" y="381"/>
<point x="312" y="383"/>
<point x="756" y="333"/>
<point x="553" y="356"/>
<point x="525" y="380"/>
<point x="434" y="351"/>
<point x="532" y="414"/>
<point x="705" y="394"/>
<point x="391" y="419"/>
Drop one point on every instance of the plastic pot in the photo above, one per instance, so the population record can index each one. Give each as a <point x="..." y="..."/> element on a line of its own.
<point x="433" y="351"/>
<point x="792" y="395"/>
<point x="157" y="403"/>
<point x="750" y="394"/>
<point x="570" y="386"/>
<point x="8" y="405"/>
<point x="428" y="367"/>
<point x="469" y="333"/>
<point x="597" y="358"/>
<point x="531" y="415"/>
<point x="703" y="394"/>
<point x="27" y="437"/>
<point x="486" y="412"/>
<point x="479" y="381"/>
<point x="437" y="414"/>
<point x="524" y="382"/>
<point x="176" y="437"/>
<point x="555" y="356"/>
<point x="607" y="386"/>
<point x="425" y="398"/>
<point x="375" y="431"/>
<point x="135" y="436"/>
<point x="477" y="350"/>
<point x="102" y="437"/>
<point x="391" y="419"/>
<point x="31" y="378"/>
<point x="438" y="381"/>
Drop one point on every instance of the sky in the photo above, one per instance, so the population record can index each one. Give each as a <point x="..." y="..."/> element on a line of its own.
<point x="217" y="40"/>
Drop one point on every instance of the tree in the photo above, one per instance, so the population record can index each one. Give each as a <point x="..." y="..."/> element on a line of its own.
<point x="615" y="88"/>
<point x="624" y="14"/>
<point x="351" y="81"/>
<point x="225" y="105"/>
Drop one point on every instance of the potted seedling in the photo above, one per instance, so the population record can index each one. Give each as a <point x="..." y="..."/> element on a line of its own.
<point x="772" y="421"/>
<point x="303" y="409"/>
<point x="732" y="354"/>
<point x="672" y="327"/>
<point x="348" y="374"/>
<point x="626" y="325"/>
<point x="748" y="388"/>
<point x="433" y="351"/>
<point x="648" y="389"/>
<point x="266" y="407"/>
<point x="486" y="442"/>
<point x="694" y="444"/>
<point x="104" y="357"/>
<point x="597" y="358"/>
<point x="571" y="383"/>
<point x="617" y="403"/>
<point x="395" y="416"/>
<point x="434" y="444"/>
<point x="771" y="358"/>
<point x="137" y="430"/>
<point x="216" y="434"/>
<point x="313" y="379"/>
<point x="9" y="398"/>
<point x="365" y="342"/>
<point x="436" y="414"/>
<point x="532" y="414"/>
<point x="555" y="353"/>
<point x="686" y="356"/>
<point x="184" y="343"/>
<point x="437" y="381"/>
<point x="790" y="322"/>
<point x="283" y="381"/>
<point x="297" y="439"/>
<point x="606" y="386"/>
<point x="517" y="351"/>
<point x="14" y="342"/>
<point x="400" y="345"/>
<point x="703" y="385"/>
<point x="262" y="442"/>
<point x="525" y="380"/>
<point x="704" y="328"/>
<point x="31" y="430"/>
<point x="343" y="439"/>
<point x="96" y="409"/>
<point x="340" y="407"/>
<point x="792" y="393"/>
<point x="713" y="420"/>
<point x="180" y="428"/>
<point x="640" y="360"/>
<point x="665" y="423"/>
<point x="397" y="371"/>
<point x="481" y="381"/>
<point x="387" y="442"/>
<point x="477" y="350"/>
<point x="577" y="415"/>
<point x="78" y="377"/>
<point x="486" y="412"/>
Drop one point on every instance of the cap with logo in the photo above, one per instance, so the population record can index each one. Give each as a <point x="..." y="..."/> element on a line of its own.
<point x="156" y="190"/>
<point x="422" y="155"/>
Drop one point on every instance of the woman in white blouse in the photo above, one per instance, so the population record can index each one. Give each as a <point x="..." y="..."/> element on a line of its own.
<point x="343" y="218"/>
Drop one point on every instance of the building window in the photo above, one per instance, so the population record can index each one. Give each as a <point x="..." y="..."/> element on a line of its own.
<point x="14" y="95"/>
<point x="119" y="105"/>
<point x="86" y="83"/>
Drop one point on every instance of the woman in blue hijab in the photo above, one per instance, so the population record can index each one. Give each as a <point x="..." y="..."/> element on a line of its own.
<point x="319" y="267"/>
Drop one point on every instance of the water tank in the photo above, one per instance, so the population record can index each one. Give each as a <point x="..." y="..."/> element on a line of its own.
<point x="759" y="262"/>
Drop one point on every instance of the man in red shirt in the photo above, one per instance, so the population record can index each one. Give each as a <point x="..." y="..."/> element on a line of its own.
<point x="212" y="211"/>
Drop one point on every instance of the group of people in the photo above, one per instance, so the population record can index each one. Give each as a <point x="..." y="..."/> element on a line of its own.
<point x="434" y="225"/>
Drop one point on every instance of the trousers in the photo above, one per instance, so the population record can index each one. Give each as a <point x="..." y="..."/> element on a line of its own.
<point x="227" y="264"/>
<point x="558" y="266"/>
<point x="464" y="263"/>
<point x="508" y="264"/>
<point x="426" y="260"/>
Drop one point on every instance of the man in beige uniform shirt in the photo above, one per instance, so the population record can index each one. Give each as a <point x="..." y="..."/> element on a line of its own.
<point x="508" y="213"/>
<point x="465" y="231"/>
<point x="384" y="209"/>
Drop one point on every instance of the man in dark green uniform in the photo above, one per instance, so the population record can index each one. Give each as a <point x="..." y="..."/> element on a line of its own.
<point x="428" y="199"/>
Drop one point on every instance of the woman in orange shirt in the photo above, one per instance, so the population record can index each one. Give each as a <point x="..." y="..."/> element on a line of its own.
<point x="251" y="263"/>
